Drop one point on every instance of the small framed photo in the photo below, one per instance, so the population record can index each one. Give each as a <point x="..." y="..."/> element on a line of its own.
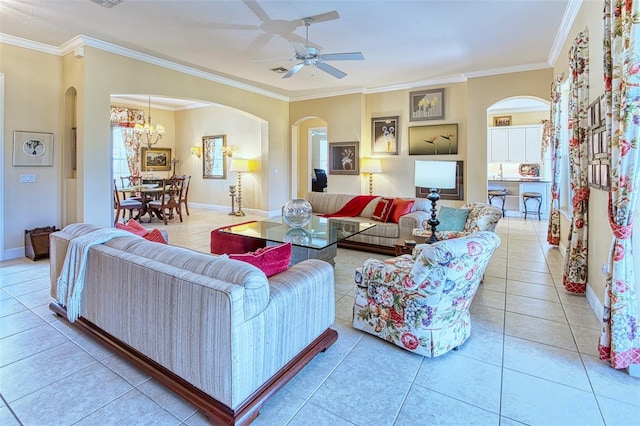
<point x="426" y="105"/>
<point x="344" y="158"/>
<point x="502" y="120"/>
<point x="32" y="149"/>
<point x="384" y="135"/>
<point x="156" y="159"/>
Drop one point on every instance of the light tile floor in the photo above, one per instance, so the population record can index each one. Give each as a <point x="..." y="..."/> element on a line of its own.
<point x="531" y="358"/>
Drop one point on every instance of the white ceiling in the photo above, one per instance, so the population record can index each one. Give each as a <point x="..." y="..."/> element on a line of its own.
<point x="406" y="44"/>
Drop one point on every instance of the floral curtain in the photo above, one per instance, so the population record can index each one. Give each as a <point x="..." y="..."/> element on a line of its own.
<point x="620" y="340"/>
<point x="575" y="268"/>
<point x="554" y="124"/>
<point x="126" y="119"/>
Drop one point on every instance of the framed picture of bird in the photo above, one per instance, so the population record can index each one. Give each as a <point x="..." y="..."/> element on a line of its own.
<point x="441" y="139"/>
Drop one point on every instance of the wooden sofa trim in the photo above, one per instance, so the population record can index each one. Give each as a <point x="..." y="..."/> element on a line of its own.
<point x="372" y="248"/>
<point x="217" y="412"/>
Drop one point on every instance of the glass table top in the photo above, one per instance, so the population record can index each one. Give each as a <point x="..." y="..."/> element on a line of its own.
<point x="319" y="233"/>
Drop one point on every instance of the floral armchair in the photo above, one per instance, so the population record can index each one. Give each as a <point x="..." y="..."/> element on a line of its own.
<point x="422" y="304"/>
<point x="482" y="217"/>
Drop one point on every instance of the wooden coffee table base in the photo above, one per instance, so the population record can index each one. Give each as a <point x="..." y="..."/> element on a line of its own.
<point x="400" y="246"/>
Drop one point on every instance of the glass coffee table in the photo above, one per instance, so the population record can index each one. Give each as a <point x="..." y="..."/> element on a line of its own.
<point x="317" y="240"/>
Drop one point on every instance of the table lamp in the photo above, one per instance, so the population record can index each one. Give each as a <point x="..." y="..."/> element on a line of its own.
<point x="371" y="166"/>
<point x="435" y="175"/>
<point x="239" y="165"/>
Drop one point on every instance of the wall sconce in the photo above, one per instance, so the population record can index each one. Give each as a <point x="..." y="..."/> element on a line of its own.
<point x="197" y="151"/>
<point x="227" y="151"/>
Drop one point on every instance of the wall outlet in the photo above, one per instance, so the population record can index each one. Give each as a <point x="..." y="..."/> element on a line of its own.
<point x="28" y="178"/>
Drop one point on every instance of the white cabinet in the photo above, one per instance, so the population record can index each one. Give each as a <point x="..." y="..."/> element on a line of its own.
<point x="515" y="144"/>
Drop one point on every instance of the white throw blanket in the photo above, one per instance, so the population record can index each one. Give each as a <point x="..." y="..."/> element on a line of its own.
<point x="71" y="279"/>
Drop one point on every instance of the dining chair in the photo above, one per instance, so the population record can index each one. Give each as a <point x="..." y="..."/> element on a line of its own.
<point x="128" y="182"/>
<point x="185" y="192"/>
<point x="129" y="204"/>
<point x="169" y="200"/>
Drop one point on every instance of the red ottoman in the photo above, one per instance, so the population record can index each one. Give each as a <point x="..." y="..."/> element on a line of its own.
<point x="223" y="243"/>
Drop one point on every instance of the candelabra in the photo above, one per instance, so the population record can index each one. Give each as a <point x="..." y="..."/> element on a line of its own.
<point x="239" y="165"/>
<point x="232" y="194"/>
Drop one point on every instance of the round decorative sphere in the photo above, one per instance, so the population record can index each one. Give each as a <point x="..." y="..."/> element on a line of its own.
<point x="298" y="236"/>
<point x="297" y="212"/>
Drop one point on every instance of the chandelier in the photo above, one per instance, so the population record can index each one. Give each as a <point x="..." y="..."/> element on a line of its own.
<point x="153" y="135"/>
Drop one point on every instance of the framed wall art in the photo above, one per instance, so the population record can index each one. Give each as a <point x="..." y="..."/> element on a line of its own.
<point x="426" y="105"/>
<point x="214" y="160"/>
<point x="384" y="135"/>
<point x="156" y="159"/>
<point x="32" y="149"/>
<point x="502" y="120"/>
<point x="440" y="139"/>
<point x="344" y="158"/>
<point x="456" y="193"/>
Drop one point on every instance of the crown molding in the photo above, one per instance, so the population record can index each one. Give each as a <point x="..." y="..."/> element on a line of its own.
<point x="82" y="41"/>
<point x="570" y="13"/>
<point x="28" y="44"/>
<point x="508" y="70"/>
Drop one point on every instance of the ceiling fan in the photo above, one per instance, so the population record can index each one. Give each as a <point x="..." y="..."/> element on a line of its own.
<point x="308" y="55"/>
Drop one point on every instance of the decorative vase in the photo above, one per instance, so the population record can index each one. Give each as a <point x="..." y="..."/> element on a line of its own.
<point x="297" y="212"/>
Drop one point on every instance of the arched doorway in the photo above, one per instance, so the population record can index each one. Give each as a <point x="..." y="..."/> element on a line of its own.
<point x="516" y="162"/>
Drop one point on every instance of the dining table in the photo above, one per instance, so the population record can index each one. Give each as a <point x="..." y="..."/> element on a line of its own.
<point x="147" y="192"/>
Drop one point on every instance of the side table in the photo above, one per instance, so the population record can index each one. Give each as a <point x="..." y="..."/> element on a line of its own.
<point x="401" y="247"/>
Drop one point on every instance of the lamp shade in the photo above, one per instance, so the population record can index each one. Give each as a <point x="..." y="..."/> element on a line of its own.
<point x="435" y="174"/>
<point x="239" y="165"/>
<point x="371" y="165"/>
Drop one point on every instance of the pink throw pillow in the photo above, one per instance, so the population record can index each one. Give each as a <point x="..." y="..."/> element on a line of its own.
<point x="155" y="236"/>
<point x="134" y="227"/>
<point x="270" y="260"/>
<point x="400" y="208"/>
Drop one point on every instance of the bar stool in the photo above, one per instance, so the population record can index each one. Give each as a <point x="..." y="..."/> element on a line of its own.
<point x="499" y="192"/>
<point x="526" y="196"/>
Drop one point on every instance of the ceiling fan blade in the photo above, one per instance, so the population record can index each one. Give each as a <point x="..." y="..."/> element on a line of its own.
<point x="257" y="10"/>
<point x="300" y="49"/>
<point x="349" y="56"/>
<point x="324" y="17"/>
<point x="294" y="70"/>
<point x="330" y="70"/>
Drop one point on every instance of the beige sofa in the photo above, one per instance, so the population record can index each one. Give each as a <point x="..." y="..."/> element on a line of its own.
<point x="380" y="238"/>
<point x="214" y="330"/>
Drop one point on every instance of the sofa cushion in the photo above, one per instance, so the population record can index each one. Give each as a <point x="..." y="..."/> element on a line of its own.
<point x="271" y="260"/>
<point x="382" y="210"/>
<point x="452" y="219"/>
<point x="400" y="208"/>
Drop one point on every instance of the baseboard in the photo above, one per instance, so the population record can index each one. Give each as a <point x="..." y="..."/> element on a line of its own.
<point x="595" y="304"/>
<point x="13" y="253"/>
<point x="227" y="209"/>
<point x="563" y="250"/>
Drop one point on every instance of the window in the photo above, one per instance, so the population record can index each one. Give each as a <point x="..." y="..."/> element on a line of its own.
<point x="119" y="164"/>
<point x="566" y="195"/>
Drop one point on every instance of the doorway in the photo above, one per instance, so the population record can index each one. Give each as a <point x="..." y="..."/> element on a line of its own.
<point x="319" y="161"/>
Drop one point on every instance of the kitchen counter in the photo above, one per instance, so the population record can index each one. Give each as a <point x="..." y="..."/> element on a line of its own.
<point x="517" y="185"/>
<point x="520" y="179"/>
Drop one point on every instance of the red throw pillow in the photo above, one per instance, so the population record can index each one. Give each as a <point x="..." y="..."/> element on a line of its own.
<point x="156" y="236"/>
<point x="134" y="227"/>
<point x="383" y="210"/>
<point x="271" y="260"/>
<point x="400" y="208"/>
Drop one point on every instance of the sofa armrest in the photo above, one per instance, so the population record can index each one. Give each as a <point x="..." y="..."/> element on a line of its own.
<point x="413" y="220"/>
